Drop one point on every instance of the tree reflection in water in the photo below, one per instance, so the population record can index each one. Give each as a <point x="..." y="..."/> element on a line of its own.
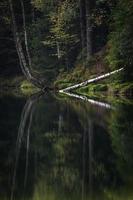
<point x="69" y="149"/>
<point x="24" y="130"/>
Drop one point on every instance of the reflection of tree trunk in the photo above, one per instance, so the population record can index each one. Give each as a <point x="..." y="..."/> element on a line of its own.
<point x="88" y="29"/>
<point x="60" y="123"/>
<point x="35" y="163"/>
<point x="26" y="114"/>
<point x="83" y="164"/>
<point x="22" y="59"/>
<point x="67" y="61"/>
<point x="82" y="25"/>
<point x="27" y="147"/>
<point x="90" y="137"/>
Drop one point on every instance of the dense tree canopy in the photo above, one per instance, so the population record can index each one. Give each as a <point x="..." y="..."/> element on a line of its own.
<point x="62" y="33"/>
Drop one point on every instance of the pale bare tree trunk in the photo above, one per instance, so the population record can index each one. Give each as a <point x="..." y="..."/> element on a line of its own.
<point x="25" y="34"/>
<point x="93" y="80"/>
<point x="88" y="29"/>
<point x="16" y="39"/>
<point x="90" y="138"/>
<point x="58" y="50"/>
<point x="57" y="42"/>
<point x="27" y="147"/>
<point x="22" y="59"/>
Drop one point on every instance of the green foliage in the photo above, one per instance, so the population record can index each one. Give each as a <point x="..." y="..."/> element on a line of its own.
<point x="122" y="136"/>
<point x="28" y="88"/>
<point x="55" y="41"/>
<point x="63" y="36"/>
<point x="109" y="89"/>
<point x="59" y="153"/>
<point x="120" y="44"/>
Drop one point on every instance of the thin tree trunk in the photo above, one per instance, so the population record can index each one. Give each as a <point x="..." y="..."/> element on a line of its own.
<point x="25" y="34"/>
<point x="24" y="116"/>
<point x="83" y="164"/>
<point x="90" y="138"/>
<point x="22" y="59"/>
<point x="26" y="113"/>
<point x="16" y="38"/>
<point x="93" y="80"/>
<point x="82" y="25"/>
<point x="88" y="29"/>
<point x="27" y="147"/>
<point x="57" y="42"/>
<point x="58" y="50"/>
<point x="60" y="123"/>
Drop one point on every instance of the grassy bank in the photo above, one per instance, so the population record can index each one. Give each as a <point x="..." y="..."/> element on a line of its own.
<point x="98" y="65"/>
<point x="111" y="86"/>
<point x="111" y="94"/>
<point x="17" y="85"/>
<point x="82" y="71"/>
<point x="119" y="89"/>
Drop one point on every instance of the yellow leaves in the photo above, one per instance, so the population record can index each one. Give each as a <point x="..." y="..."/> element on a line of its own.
<point x="60" y="21"/>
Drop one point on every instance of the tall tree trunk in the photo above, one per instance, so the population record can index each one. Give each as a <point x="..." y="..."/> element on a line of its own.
<point x="25" y="34"/>
<point x="90" y="138"/>
<point x="83" y="163"/>
<point x="33" y="13"/>
<point x="82" y="22"/>
<point x="88" y="29"/>
<point x="58" y="50"/>
<point x="27" y="147"/>
<point x="57" y="42"/>
<point x="22" y="59"/>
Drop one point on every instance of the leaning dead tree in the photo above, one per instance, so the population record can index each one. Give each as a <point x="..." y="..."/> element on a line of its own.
<point x="24" y="58"/>
<point x="93" y="80"/>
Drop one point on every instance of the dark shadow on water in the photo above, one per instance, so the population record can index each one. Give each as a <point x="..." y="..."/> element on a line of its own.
<point x="65" y="149"/>
<point x="24" y="131"/>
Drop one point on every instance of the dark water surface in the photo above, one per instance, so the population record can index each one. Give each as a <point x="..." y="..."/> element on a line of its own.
<point x="54" y="148"/>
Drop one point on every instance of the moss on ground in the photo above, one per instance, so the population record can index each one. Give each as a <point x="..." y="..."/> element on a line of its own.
<point x="60" y="84"/>
<point x="17" y="85"/>
<point x="114" y="93"/>
<point x="28" y="88"/>
<point x="106" y="88"/>
<point x="109" y="86"/>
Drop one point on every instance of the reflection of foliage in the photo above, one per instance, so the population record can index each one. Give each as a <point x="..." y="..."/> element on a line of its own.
<point x="121" y="130"/>
<point x="59" y="159"/>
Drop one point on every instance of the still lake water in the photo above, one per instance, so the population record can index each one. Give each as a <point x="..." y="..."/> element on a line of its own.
<point x="54" y="148"/>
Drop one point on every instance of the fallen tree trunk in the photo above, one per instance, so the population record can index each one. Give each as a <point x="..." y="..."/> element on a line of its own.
<point x="90" y="81"/>
<point x="92" y="101"/>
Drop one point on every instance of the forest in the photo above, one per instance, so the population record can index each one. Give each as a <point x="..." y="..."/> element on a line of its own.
<point x="57" y="43"/>
<point x="66" y="107"/>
